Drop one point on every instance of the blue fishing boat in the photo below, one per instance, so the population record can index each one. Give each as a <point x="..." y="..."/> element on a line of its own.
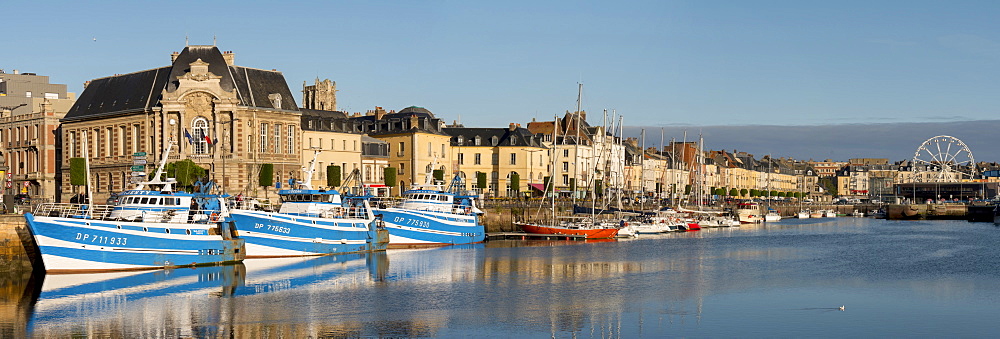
<point x="311" y="222"/>
<point x="151" y="226"/>
<point x="429" y="215"/>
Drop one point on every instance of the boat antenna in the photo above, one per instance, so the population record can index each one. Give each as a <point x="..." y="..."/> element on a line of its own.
<point x="306" y="182"/>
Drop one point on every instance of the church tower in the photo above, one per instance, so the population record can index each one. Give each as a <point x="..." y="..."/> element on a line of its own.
<point x="321" y="96"/>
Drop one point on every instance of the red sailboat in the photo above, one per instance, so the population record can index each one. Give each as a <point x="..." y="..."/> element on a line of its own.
<point x="598" y="231"/>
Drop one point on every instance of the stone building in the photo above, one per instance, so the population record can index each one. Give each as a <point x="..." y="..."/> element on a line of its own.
<point x="416" y="138"/>
<point x="30" y="109"/>
<point x="334" y="136"/>
<point x="500" y="153"/>
<point x="228" y="119"/>
<point x="320" y="96"/>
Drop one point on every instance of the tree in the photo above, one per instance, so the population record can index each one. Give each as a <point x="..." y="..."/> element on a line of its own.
<point x="687" y="189"/>
<point x="389" y="176"/>
<point x="439" y="175"/>
<point x="185" y="171"/>
<point x="775" y="194"/>
<point x="78" y="171"/>
<point x="572" y="185"/>
<point x="547" y="184"/>
<point x="515" y="182"/>
<point x="599" y="187"/>
<point x="333" y="176"/>
<point x="743" y="192"/>
<point x="266" y="177"/>
<point x="754" y="193"/>
<point x="481" y="180"/>
<point x="733" y="192"/>
<point x="721" y="191"/>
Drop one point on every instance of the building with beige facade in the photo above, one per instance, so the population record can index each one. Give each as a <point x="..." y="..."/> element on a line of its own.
<point x="30" y="109"/>
<point x="226" y="118"/>
<point x="417" y="142"/>
<point x="502" y="154"/>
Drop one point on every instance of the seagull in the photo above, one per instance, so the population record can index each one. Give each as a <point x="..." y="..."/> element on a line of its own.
<point x="95" y="39"/>
<point x="841" y="307"/>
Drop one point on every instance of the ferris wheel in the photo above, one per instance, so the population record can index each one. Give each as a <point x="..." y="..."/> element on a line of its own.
<point x="946" y="157"/>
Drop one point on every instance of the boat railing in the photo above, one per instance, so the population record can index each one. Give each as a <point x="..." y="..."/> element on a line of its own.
<point x="67" y="210"/>
<point x="104" y="212"/>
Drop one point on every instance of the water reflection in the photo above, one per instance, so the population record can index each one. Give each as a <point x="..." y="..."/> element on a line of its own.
<point x="684" y="284"/>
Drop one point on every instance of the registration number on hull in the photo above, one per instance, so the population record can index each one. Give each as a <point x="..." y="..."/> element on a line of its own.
<point x="411" y="222"/>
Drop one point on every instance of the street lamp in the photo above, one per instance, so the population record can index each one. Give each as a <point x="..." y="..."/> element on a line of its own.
<point x="226" y="142"/>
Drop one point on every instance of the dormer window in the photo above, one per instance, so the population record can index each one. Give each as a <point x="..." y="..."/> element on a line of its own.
<point x="461" y="140"/>
<point x="494" y="140"/>
<point x="479" y="141"/>
<point x="513" y="140"/>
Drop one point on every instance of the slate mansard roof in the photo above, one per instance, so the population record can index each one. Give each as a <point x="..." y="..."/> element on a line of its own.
<point x="141" y="91"/>
<point x="519" y="136"/>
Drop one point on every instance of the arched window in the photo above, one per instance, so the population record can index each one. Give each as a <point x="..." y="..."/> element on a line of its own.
<point x="494" y="140"/>
<point x="199" y="132"/>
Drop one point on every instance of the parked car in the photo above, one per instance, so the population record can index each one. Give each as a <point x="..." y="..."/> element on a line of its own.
<point x="22" y="199"/>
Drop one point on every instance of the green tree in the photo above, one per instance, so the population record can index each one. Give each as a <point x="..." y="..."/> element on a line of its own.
<point x="333" y="176"/>
<point x="185" y="171"/>
<point x="547" y="184"/>
<point x="481" y="180"/>
<point x="439" y="175"/>
<point x="687" y="189"/>
<point x="389" y="176"/>
<point x="754" y="192"/>
<point x="774" y="194"/>
<point x="515" y="183"/>
<point x="721" y="191"/>
<point x="266" y="177"/>
<point x="743" y="192"/>
<point x="599" y="187"/>
<point x="78" y="171"/>
<point x="733" y="192"/>
<point x="572" y="185"/>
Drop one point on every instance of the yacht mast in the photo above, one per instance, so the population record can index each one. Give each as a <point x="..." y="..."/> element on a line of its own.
<point x="576" y="142"/>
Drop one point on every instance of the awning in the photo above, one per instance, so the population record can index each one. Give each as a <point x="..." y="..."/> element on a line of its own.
<point x="539" y="187"/>
<point x="375" y="185"/>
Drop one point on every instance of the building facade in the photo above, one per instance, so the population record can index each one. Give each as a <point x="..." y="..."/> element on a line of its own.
<point x="30" y="109"/>
<point x="502" y="154"/>
<point x="226" y="118"/>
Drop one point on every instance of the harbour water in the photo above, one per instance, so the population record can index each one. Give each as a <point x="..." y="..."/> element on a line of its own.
<point x="788" y="279"/>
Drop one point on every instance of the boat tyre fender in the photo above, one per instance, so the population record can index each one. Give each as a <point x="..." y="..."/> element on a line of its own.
<point x="214" y="217"/>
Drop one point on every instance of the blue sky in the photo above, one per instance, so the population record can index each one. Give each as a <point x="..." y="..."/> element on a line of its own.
<point x="658" y="63"/>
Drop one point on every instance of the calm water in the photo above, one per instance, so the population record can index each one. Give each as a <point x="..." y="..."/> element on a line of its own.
<point x="896" y="278"/>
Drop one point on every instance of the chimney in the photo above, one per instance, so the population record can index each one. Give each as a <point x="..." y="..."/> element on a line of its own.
<point x="173" y="57"/>
<point x="512" y="127"/>
<point x="229" y="57"/>
<point x="379" y="113"/>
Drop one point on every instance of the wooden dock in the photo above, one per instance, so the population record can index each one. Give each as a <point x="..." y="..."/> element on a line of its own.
<point x="522" y="235"/>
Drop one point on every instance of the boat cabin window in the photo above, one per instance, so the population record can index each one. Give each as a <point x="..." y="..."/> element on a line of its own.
<point x="144" y="201"/>
<point x="443" y="197"/>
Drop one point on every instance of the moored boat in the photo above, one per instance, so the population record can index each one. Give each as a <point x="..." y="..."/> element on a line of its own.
<point x="152" y="226"/>
<point x="589" y="230"/>
<point x="428" y="215"/>
<point x="749" y="213"/>
<point x="311" y="222"/>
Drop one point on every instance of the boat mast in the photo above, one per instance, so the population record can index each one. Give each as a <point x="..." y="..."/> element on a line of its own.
<point x="576" y="142"/>
<point x="86" y="157"/>
<point x="552" y="173"/>
<point x="642" y="170"/>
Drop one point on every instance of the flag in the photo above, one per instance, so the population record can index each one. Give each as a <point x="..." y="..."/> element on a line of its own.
<point x="208" y="140"/>
<point x="188" y="136"/>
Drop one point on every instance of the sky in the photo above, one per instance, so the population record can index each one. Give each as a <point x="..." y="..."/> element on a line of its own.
<point x="670" y="64"/>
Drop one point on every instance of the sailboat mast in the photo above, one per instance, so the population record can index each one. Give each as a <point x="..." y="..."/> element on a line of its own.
<point x="576" y="142"/>
<point x="642" y="168"/>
